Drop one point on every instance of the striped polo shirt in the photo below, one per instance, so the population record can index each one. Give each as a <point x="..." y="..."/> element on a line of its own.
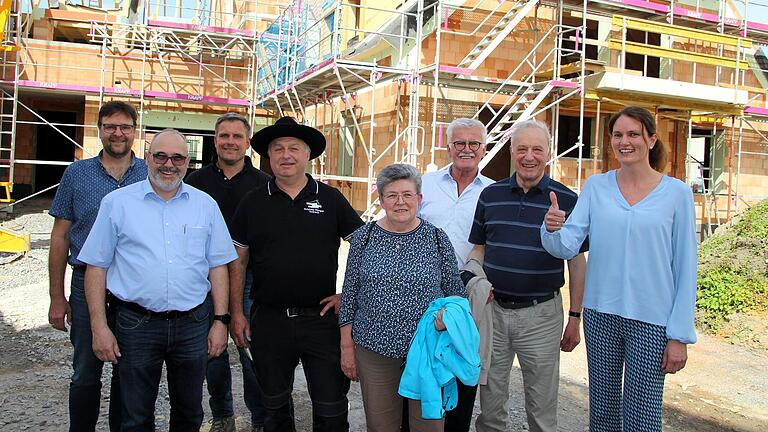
<point x="507" y="221"/>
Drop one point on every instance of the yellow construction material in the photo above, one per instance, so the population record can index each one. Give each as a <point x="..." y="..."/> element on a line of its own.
<point x="5" y="10"/>
<point x="6" y="186"/>
<point x="702" y="119"/>
<point x="676" y="54"/>
<point x="12" y="241"/>
<point x="683" y="32"/>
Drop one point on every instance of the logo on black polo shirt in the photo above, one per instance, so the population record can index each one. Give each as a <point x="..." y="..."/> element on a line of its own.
<point x="314" y="207"/>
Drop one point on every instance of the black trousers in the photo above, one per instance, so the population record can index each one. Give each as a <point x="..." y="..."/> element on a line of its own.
<point x="278" y="342"/>
<point x="458" y="419"/>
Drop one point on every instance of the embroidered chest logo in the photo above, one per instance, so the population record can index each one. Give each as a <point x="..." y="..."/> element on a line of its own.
<point x="314" y="207"/>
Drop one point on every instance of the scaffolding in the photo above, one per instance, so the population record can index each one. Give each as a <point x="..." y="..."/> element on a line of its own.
<point x="164" y="54"/>
<point x="319" y="56"/>
<point x="382" y="79"/>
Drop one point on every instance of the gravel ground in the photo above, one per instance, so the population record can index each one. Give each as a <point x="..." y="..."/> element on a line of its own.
<point x="724" y="387"/>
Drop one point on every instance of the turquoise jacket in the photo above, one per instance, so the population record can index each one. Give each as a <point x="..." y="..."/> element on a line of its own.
<point x="435" y="359"/>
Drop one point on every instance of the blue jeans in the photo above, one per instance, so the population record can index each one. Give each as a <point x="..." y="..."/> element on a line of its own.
<point x="85" y="386"/>
<point x="219" y="376"/>
<point x="146" y="342"/>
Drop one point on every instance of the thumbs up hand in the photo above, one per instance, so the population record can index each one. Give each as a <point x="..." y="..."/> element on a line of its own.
<point x="555" y="217"/>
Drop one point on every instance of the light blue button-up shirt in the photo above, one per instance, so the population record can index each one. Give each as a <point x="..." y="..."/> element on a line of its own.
<point x="158" y="252"/>
<point x="444" y="208"/>
<point x="83" y="185"/>
<point x="642" y="258"/>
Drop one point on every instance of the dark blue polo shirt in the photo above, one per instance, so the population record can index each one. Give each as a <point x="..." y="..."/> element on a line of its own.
<point x="507" y="222"/>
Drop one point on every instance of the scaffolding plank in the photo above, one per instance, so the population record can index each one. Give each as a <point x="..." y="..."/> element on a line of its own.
<point x="676" y="54"/>
<point x="687" y="13"/>
<point x="129" y="92"/>
<point x="756" y="110"/>
<point x="566" y="84"/>
<point x="197" y="27"/>
<point x="684" y="32"/>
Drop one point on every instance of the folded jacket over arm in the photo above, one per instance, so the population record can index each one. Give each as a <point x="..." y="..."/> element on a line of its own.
<point x="437" y="358"/>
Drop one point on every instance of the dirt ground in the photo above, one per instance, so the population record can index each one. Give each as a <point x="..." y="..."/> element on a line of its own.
<point x="723" y="388"/>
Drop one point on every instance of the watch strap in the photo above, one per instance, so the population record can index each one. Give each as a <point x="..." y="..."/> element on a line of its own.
<point x="225" y="319"/>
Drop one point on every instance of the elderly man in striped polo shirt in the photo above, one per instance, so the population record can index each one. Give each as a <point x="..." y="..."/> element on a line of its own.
<point x="527" y="309"/>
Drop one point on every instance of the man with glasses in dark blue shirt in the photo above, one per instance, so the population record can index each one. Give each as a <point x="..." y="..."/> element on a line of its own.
<point x="74" y="208"/>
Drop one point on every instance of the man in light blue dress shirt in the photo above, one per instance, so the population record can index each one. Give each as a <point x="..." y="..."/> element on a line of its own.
<point x="158" y="254"/>
<point x="450" y="199"/>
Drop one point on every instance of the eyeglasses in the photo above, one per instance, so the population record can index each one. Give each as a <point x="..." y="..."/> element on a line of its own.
<point x="461" y="145"/>
<point x="112" y="128"/>
<point x="395" y="197"/>
<point x="162" y="158"/>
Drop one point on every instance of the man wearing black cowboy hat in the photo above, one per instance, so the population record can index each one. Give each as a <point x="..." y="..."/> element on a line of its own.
<point x="289" y="231"/>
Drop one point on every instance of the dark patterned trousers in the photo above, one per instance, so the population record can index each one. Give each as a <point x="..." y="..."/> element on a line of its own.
<point x="619" y="348"/>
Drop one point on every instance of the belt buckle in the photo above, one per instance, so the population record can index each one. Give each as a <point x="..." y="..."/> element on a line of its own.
<point x="291" y="313"/>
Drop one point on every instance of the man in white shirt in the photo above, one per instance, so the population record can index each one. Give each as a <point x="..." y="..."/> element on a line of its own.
<point x="450" y="199"/>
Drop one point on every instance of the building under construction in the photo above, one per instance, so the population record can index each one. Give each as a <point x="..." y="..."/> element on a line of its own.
<point x="382" y="80"/>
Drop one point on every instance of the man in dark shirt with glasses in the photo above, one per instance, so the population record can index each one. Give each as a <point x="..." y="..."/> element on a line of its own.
<point x="227" y="180"/>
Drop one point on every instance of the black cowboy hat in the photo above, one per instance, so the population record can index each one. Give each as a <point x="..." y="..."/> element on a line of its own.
<point x="287" y="127"/>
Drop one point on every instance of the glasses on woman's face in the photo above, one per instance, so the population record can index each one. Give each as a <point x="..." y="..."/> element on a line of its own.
<point x="394" y="197"/>
<point x="176" y="159"/>
<point x="112" y="128"/>
<point x="461" y="145"/>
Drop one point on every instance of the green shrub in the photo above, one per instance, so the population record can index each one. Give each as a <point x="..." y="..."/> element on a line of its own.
<point x="733" y="266"/>
<point x="754" y="222"/>
<point x="726" y="290"/>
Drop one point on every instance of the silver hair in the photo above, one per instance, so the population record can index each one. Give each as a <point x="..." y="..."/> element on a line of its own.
<point x="467" y="123"/>
<point x="530" y="124"/>
<point x="395" y="172"/>
<point x="168" y="131"/>
<point x="233" y="116"/>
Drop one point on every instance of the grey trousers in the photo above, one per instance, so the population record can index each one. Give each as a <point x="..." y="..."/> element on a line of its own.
<point x="379" y="380"/>
<point x="533" y="334"/>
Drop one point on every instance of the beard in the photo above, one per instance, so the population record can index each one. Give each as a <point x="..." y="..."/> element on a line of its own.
<point x="116" y="149"/>
<point x="163" y="185"/>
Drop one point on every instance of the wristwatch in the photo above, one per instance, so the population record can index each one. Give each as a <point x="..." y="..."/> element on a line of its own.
<point x="574" y="314"/>
<point x="225" y="319"/>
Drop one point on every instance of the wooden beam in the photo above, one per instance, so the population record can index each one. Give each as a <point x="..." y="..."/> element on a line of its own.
<point x="684" y="32"/>
<point x="676" y="54"/>
<point x="624" y="98"/>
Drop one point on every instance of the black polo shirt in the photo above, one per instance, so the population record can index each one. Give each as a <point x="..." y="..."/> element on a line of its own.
<point x="293" y="244"/>
<point x="507" y="221"/>
<point x="227" y="192"/>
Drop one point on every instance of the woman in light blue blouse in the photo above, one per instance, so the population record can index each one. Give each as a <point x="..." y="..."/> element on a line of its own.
<point x="396" y="267"/>
<point x="641" y="275"/>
